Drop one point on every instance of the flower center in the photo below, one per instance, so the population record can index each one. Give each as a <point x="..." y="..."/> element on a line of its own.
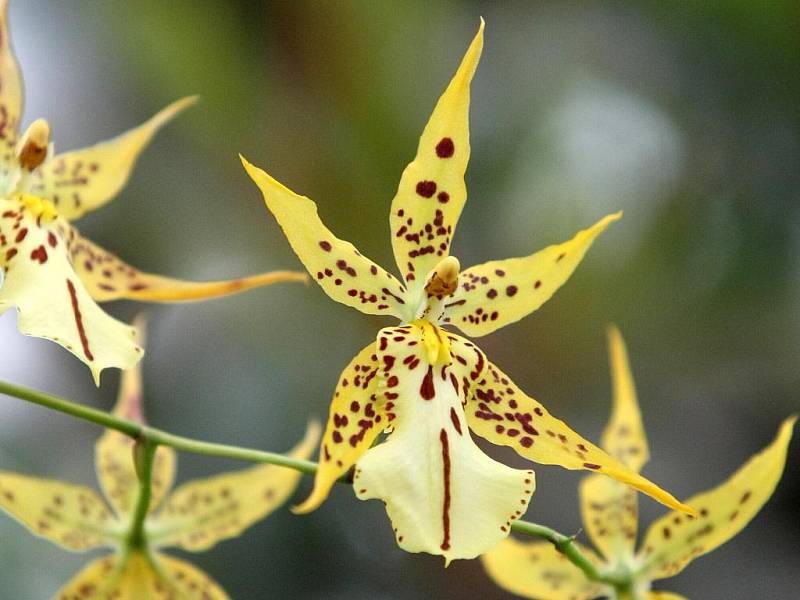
<point x="41" y="208"/>
<point x="32" y="147"/>
<point x="436" y="342"/>
<point x="441" y="282"/>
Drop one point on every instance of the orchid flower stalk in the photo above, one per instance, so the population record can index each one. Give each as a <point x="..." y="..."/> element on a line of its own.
<point x="421" y="383"/>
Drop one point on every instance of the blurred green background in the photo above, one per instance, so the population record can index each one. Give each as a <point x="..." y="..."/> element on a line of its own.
<point x="683" y="114"/>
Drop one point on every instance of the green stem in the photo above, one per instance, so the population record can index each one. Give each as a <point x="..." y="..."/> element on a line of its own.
<point x="151" y="438"/>
<point x="144" y="453"/>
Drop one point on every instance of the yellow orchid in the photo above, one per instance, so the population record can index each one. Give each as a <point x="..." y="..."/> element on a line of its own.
<point x="49" y="272"/>
<point x="194" y="517"/>
<point x="537" y="570"/>
<point x="422" y="383"/>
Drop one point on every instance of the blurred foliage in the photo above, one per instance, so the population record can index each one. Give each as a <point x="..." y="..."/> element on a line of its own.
<point x="683" y="114"/>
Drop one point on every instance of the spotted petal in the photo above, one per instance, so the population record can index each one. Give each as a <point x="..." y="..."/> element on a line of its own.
<point x="338" y="267"/>
<point x="432" y="192"/>
<point x="106" y="277"/>
<point x="537" y="570"/>
<point x="10" y="95"/>
<point x="72" y="516"/>
<point x="137" y="578"/>
<point x="357" y="416"/>
<point x="83" y="180"/>
<point x="609" y="508"/>
<point x="50" y="298"/>
<point x="674" y="541"/>
<point x="499" y="292"/>
<point x="203" y="512"/>
<point x="503" y="414"/>
<point x="114" y="450"/>
<point x="443" y="495"/>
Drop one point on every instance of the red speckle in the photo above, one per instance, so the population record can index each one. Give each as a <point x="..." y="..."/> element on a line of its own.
<point x="325" y="246"/>
<point x="51" y="239"/>
<point x="454" y="419"/>
<point x="79" y="320"/>
<point x="39" y="254"/>
<point x="427" y="389"/>
<point x="511" y="290"/>
<point x="426" y="189"/>
<point x="445" y="148"/>
<point x="592" y="466"/>
<point x="443" y="197"/>
<point x="537" y="285"/>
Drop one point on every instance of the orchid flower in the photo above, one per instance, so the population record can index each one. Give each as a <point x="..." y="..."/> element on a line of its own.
<point x="51" y="274"/>
<point x="423" y="383"/>
<point x="194" y="517"/>
<point x="537" y="570"/>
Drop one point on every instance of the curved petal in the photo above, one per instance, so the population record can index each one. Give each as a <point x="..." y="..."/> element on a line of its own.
<point x="665" y="596"/>
<point x="443" y="495"/>
<point x="610" y="509"/>
<point x="113" y="452"/>
<point x="357" y="416"/>
<point x="10" y="94"/>
<point x="537" y="570"/>
<point x="673" y="541"/>
<point x="205" y="511"/>
<point x="503" y="414"/>
<point x="499" y="292"/>
<point x="50" y="299"/>
<point x="106" y="277"/>
<point x="72" y="516"/>
<point x="432" y="192"/>
<point x="337" y="266"/>
<point x="83" y="180"/>
<point x="137" y="579"/>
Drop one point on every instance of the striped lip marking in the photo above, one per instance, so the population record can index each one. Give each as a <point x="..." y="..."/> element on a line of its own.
<point x="79" y="320"/>
<point x="446" y="506"/>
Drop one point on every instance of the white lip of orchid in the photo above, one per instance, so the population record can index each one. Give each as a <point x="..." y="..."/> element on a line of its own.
<point x="441" y="283"/>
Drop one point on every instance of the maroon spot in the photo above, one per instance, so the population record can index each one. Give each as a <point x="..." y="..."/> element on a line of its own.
<point x="325" y="246"/>
<point x="491" y="293"/>
<point x="511" y="290"/>
<point x="51" y="239"/>
<point x="21" y="234"/>
<point x="537" y="285"/>
<point x="337" y="437"/>
<point x="427" y="390"/>
<point x="592" y="466"/>
<point x="445" y="148"/>
<point x="443" y="197"/>
<point x="526" y="442"/>
<point x="39" y="254"/>
<point x="76" y="311"/>
<point x="446" y="504"/>
<point x="426" y="189"/>
<point x="454" y="419"/>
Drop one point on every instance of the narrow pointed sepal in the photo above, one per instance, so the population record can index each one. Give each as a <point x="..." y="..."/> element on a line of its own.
<point x="81" y="181"/>
<point x="205" y="511"/>
<point x="50" y="299"/>
<point x="497" y="293"/>
<point x="503" y="414"/>
<point x="72" y="516"/>
<point x="673" y="541"/>
<point x="337" y="266"/>
<point x="107" y="278"/>
<point x="432" y="192"/>
<point x="137" y="578"/>
<point x="537" y="570"/>
<point x="113" y="452"/>
<point x="442" y="493"/>
<point x="357" y="416"/>
<point x="10" y="95"/>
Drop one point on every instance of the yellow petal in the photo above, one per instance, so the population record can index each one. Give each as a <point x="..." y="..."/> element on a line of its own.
<point x="337" y="266"/>
<point x="10" y="94"/>
<point x="356" y="418"/>
<point x="503" y="414"/>
<point x="665" y="596"/>
<point x="205" y="511"/>
<point x="50" y="298"/>
<point x="114" y="451"/>
<point x="500" y="292"/>
<point x="624" y="437"/>
<point x="442" y="493"/>
<point x="72" y="516"/>
<point x="83" y="180"/>
<point x="537" y="570"/>
<point x="109" y="578"/>
<point x="673" y="541"/>
<point x="106" y="277"/>
<point x="432" y="192"/>
<point x="610" y="509"/>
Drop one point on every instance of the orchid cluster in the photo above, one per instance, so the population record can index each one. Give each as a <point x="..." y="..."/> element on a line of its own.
<point x="402" y="412"/>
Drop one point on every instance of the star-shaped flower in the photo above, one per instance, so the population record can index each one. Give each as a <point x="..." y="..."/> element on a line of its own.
<point x="49" y="272"/>
<point x="427" y="385"/>
<point x="537" y="570"/>
<point x="194" y="517"/>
